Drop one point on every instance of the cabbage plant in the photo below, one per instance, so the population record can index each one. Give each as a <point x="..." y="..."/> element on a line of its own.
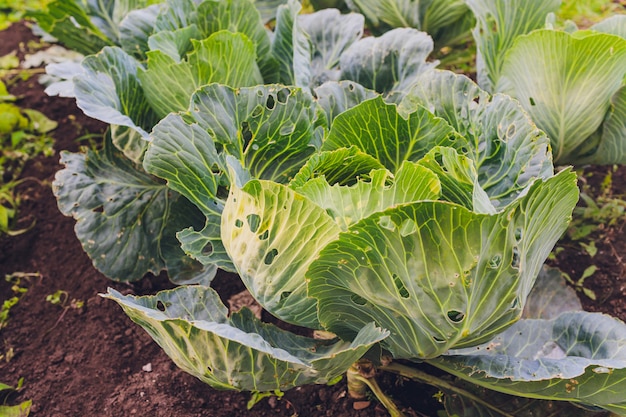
<point x="571" y="83"/>
<point x="447" y="21"/>
<point x="87" y="26"/>
<point x="419" y="227"/>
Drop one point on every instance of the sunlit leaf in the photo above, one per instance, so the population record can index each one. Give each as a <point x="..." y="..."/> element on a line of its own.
<point x="436" y="275"/>
<point x="238" y="352"/>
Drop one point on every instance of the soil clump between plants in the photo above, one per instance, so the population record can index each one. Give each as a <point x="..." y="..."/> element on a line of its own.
<point x="93" y="361"/>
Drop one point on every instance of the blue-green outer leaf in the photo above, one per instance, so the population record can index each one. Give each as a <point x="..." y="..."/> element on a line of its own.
<point x="136" y="28"/>
<point x="124" y="217"/>
<point x="270" y="129"/>
<point x="336" y="97"/>
<point x="330" y="33"/>
<point x="290" y="48"/>
<point x="185" y="155"/>
<point x="508" y="150"/>
<point x="578" y="357"/>
<point x="390" y="63"/>
<point x="109" y="90"/>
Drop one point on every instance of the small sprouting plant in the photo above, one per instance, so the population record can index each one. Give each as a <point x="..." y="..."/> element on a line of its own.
<point x="20" y="410"/>
<point x="579" y="283"/>
<point x="12" y="11"/>
<point x="601" y="209"/>
<point x="24" y="135"/>
<point x="18" y="289"/>
<point x="586" y="12"/>
<point x="61" y="298"/>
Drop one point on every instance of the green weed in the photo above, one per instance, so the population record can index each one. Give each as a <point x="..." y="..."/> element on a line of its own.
<point x="20" y="410"/>
<point x="24" y="135"/>
<point x="18" y="289"/>
<point x="12" y="11"/>
<point x="587" y="12"/>
<point x="600" y="210"/>
<point x="61" y="297"/>
<point x="579" y="284"/>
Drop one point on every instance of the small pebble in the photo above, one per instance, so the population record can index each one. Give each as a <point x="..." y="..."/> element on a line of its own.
<point x="147" y="367"/>
<point x="272" y="402"/>
<point x="361" y="405"/>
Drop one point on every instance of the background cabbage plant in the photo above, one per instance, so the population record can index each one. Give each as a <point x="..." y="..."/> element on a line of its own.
<point x="571" y="82"/>
<point x="447" y="21"/>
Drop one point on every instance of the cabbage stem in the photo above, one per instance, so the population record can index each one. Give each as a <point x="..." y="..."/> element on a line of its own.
<point x="361" y="377"/>
<point x="417" y="375"/>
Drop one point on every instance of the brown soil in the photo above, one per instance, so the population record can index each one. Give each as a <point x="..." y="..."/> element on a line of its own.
<point x="88" y="361"/>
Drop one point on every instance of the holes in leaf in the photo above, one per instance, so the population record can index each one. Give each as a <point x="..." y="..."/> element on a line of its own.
<point x="98" y="209"/>
<point x="532" y="101"/>
<point x="283" y="95"/>
<point x="350" y="86"/>
<point x="358" y="300"/>
<point x="264" y="235"/>
<point x="254" y="221"/>
<point x="238" y="223"/>
<point x="516" y="304"/>
<point x="404" y="293"/>
<point x="438" y="339"/>
<point x="408" y="227"/>
<point x="160" y="306"/>
<point x="518" y="234"/>
<point x="516" y="258"/>
<point x="270" y="103"/>
<point x="495" y="261"/>
<point x="287" y="128"/>
<point x="385" y="222"/>
<point x="271" y="255"/>
<point x="284" y="295"/>
<point x="456" y="316"/>
<point x="207" y="250"/>
<point x="510" y="131"/>
<point x="246" y="133"/>
<point x="257" y="112"/>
